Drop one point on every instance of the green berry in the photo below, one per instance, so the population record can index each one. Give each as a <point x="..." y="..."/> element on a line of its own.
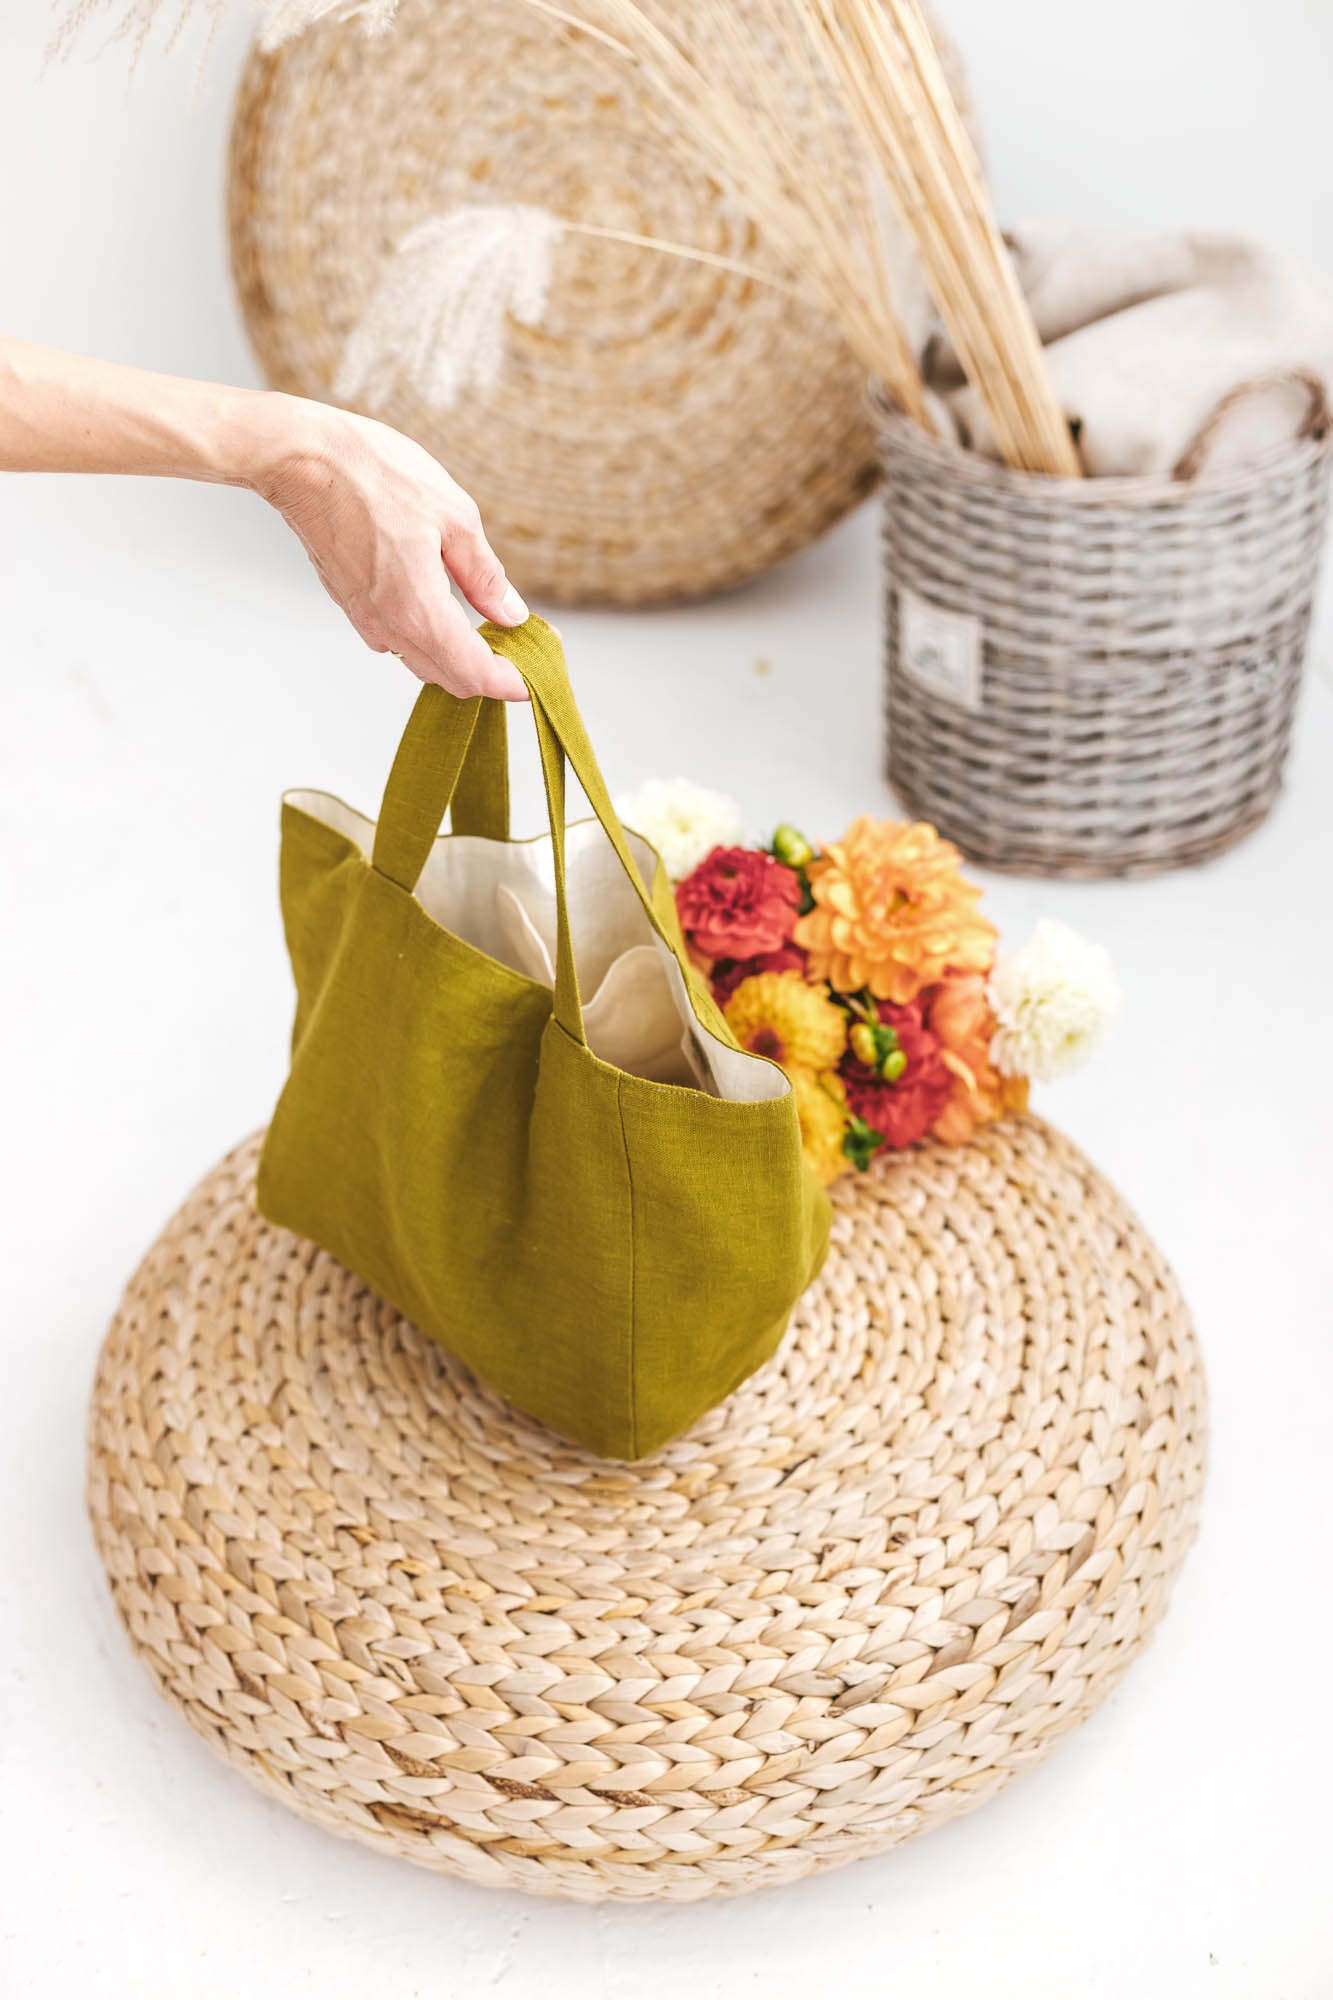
<point x="865" y="1046"/>
<point x="791" y="847"/>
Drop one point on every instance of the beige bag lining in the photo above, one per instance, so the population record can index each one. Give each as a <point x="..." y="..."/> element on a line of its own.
<point x="500" y="897"/>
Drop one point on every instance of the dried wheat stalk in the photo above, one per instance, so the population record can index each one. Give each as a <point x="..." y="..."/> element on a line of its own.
<point x="869" y="65"/>
<point x="881" y="56"/>
<point x="763" y="121"/>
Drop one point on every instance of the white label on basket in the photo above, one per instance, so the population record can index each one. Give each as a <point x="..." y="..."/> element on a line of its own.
<point x="941" y="650"/>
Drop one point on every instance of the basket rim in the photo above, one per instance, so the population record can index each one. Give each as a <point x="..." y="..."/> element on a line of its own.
<point x="896" y="431"/>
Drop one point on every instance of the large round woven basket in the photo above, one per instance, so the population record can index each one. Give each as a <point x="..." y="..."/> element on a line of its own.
<point x="1096" y="677"/>
<point x="670" y="428"/>
<point x="900" y="1563"/>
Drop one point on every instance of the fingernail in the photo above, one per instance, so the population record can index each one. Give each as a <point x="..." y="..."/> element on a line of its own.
<point x="513" y="610"/>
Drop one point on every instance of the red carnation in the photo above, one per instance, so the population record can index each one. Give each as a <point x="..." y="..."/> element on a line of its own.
<point x="729" y="972"/>
<point x="903" y="1111"/>
<point x="739" y="904"/>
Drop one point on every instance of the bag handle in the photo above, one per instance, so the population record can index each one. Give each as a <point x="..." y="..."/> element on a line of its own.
<point x="480" y="804"/>
<point x="453" y="757"/>
<point x="1315" y="423"/>
<point x="451" y="749"/>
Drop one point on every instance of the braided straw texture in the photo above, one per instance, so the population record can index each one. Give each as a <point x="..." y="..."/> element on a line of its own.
<point x="671" y="428"/>
<point x="1141" y="645"/>
<point x="915" y="1550"/>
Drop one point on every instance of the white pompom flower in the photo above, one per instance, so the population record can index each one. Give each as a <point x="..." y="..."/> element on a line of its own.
<point x="1053" y="1001"/>
<point x="684" y="821"/>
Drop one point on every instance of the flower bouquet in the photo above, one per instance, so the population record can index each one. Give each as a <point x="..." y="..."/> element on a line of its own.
<point x="866" y="969"/>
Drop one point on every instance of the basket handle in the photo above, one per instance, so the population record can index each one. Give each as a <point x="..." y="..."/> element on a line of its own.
<point x="1316" y="423"/>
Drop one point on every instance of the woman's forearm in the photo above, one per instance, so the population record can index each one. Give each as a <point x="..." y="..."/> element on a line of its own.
<point x="381" y="520"/>
<point x="69" y="413"/>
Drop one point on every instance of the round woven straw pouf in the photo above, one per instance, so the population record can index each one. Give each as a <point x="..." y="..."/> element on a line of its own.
<point x="910" y="1554"/>
<point x="671" y="428"/>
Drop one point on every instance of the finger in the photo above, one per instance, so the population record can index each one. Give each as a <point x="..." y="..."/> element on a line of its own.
<point x="478" y="571"/>
<point x="445" y="648"/>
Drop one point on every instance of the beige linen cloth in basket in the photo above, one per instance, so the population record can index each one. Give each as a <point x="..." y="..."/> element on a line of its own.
<point x="1146" y="336"/>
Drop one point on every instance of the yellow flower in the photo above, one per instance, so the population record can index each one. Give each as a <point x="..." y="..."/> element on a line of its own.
<point x="892" y="910"/>
<point x="821" y="1105"/>
<point x="776" y="1014"/>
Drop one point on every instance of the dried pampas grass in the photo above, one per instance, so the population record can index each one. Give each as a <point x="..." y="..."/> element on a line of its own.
<point x="282" y="20"/>
<point x="439" y="313"/>
<point x="277" y="21"/>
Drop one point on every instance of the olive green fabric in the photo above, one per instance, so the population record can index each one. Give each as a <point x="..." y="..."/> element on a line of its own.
<point x="613" y="1254"/>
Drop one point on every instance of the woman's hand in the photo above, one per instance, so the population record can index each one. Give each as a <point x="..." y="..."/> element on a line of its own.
<point x="383" y="523"/>
<point x="386" y="527"/>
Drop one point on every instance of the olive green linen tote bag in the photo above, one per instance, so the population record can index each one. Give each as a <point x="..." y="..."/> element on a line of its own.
<point x="513" y="1108"/>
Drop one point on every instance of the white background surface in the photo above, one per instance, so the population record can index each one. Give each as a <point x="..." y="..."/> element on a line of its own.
<point x="169" y="665"/>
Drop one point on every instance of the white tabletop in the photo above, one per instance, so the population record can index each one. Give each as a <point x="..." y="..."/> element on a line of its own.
<point x="169" y="666"/>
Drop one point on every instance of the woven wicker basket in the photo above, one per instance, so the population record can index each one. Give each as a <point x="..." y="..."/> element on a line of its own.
<point x="1097" y="677"/>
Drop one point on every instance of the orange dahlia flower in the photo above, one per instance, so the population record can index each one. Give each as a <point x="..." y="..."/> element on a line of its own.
<point x="892" y="912"/>
<point x="958" y="1013"/>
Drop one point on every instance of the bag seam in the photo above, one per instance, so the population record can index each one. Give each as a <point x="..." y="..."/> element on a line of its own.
<point x="632" y="1384"/>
